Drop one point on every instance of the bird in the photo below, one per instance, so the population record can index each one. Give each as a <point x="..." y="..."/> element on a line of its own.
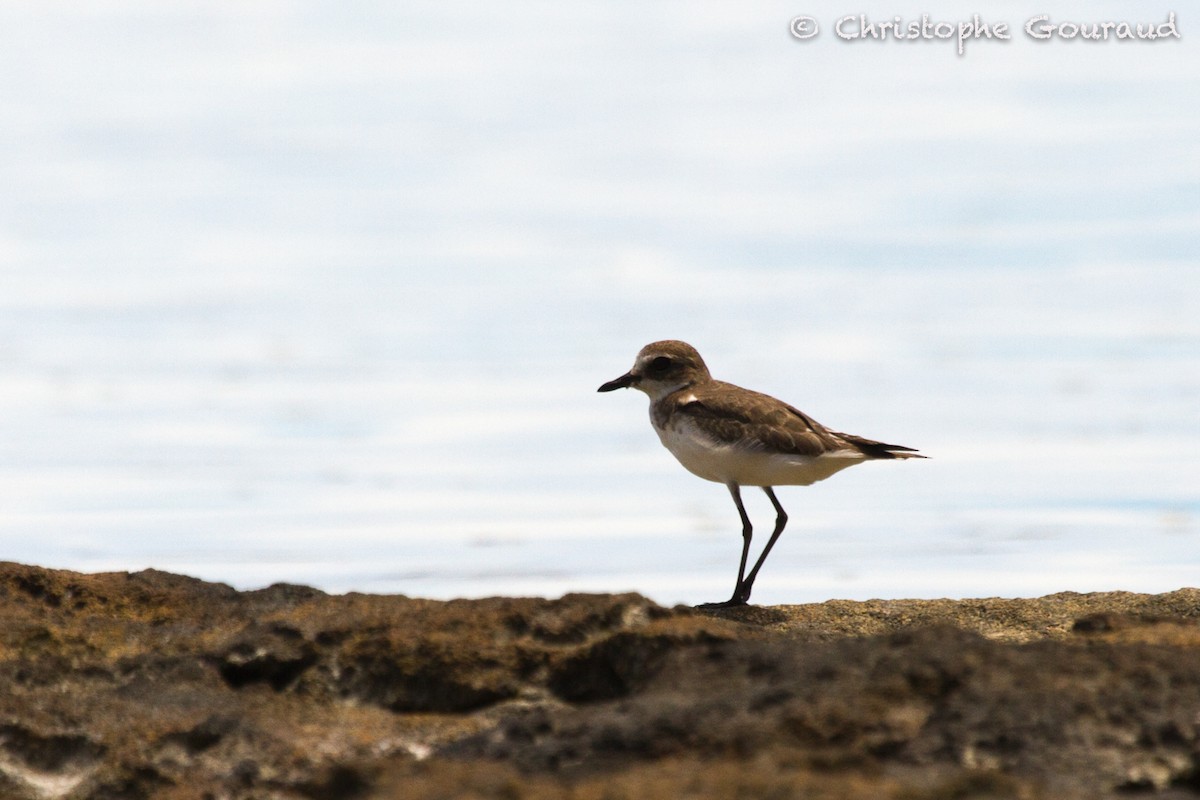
<point x="740" y="437"/>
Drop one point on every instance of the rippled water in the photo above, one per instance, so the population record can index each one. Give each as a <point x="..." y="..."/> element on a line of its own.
<point x="293" y="293"/>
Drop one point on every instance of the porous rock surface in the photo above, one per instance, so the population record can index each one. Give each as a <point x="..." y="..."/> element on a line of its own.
<point x="152" y="685"/>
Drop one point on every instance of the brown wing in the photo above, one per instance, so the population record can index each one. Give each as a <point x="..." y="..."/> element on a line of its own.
<point x="736" y="415"/>
<point x="752" y="419"/>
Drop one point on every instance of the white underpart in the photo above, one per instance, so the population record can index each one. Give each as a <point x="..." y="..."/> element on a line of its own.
<point x="727" y="463"/>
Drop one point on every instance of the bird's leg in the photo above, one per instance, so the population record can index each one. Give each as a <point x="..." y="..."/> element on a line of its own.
<point x="747" y="532"/>
<point x="781" y="518"/>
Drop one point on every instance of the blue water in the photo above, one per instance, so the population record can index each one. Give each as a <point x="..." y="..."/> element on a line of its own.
<point x="295" y="292"/>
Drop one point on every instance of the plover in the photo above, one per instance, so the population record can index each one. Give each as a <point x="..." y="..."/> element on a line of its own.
<point x="739" y="437"/>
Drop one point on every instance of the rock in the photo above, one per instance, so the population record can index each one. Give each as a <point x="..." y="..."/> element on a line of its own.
<point x="152" y="685"/>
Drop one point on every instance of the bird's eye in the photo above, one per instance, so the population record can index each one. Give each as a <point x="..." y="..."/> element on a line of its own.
<point x="660" y="364"/>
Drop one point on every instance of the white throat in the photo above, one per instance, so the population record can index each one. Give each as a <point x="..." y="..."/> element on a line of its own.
<point x="657" y="390"/>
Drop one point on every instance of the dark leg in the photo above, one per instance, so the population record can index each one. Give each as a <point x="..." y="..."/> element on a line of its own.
<point x="781" y="519"/>
<point x="747" y="532"/>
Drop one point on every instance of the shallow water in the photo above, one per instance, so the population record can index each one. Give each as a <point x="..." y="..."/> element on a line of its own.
<point x="292" y="294"/>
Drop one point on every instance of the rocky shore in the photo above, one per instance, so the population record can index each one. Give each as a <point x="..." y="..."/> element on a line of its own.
<point x="152" y="685"/>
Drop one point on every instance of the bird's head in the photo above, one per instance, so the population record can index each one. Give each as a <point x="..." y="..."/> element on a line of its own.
<point x="661" y="368"/>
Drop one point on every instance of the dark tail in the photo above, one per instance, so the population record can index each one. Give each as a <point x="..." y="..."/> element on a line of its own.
<point x="873" y="449"/>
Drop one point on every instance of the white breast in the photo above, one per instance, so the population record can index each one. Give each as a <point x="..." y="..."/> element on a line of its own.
<point x="727" y="463"/>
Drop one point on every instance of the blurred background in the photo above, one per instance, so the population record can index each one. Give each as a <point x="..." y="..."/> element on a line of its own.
<point x="322" y="293"/>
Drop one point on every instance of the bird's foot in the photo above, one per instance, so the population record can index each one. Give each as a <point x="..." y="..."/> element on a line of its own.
<point x="741" y="597"/>
<point x="733" y="602"/>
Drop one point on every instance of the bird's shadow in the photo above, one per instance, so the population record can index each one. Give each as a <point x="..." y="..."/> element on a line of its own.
<point x="749" y="615"/>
